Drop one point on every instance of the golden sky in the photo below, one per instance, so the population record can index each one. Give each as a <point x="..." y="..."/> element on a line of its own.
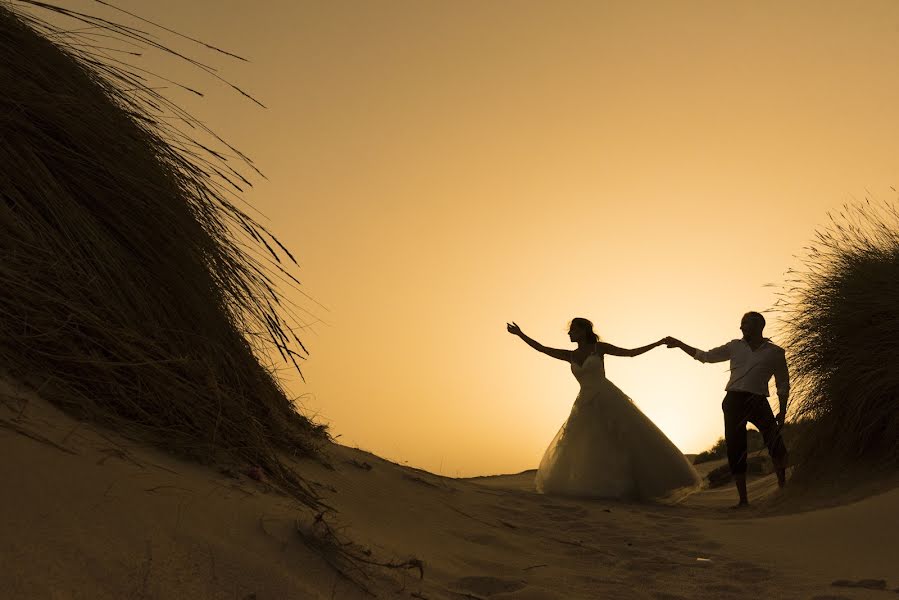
<point x="440" y="168"/>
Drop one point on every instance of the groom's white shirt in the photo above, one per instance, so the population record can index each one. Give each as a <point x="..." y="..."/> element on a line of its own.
<point x="751" y="371"/>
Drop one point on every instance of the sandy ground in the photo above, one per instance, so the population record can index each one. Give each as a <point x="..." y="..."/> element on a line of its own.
<point x="85" y="513"/>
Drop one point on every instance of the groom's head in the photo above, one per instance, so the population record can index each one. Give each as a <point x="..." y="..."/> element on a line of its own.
<point x="752" y="325"/>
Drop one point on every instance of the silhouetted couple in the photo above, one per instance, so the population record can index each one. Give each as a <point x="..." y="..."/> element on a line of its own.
<point x="608" y="448"/>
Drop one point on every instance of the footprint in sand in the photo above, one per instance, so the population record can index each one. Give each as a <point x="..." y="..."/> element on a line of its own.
<point x="483" y="585"/>
<point x="484" y="539"/>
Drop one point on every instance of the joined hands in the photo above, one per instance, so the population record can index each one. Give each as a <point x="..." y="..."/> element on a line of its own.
<point x="671" y="342"/>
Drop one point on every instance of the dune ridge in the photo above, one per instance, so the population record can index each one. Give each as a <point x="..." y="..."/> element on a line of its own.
<point x="90" y="514"/>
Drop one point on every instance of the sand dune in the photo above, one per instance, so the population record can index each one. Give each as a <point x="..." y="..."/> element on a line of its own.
<point x="89" y="514"/>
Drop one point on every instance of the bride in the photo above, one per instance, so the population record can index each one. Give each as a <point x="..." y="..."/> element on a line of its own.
<point x="607" y="448"/>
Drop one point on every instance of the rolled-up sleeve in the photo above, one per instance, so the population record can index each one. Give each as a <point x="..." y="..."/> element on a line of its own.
<point x="719" y="354"/>
<point x="782" y="376"/>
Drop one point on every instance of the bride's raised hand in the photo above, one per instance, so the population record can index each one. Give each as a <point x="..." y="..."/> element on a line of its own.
<point x="513" y="328"/>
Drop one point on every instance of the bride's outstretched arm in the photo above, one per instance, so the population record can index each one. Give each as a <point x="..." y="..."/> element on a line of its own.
<point x="514" y="329"/>
<point x="616" y="351"/>
<point x="672" y="342"/>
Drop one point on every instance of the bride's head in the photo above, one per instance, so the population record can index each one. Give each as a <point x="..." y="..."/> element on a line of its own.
<point x="581" y="330"/>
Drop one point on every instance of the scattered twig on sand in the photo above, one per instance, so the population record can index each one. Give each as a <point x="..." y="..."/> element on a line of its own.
<point x="535" y="567"/>
<point x="161" y="468"/>
<point x="418" y="479"/>
<point x="165" y="487"/>
<point x="580" y="544"/>
<point x="119" y="450"/>
<point x="346" y="557"/>
<point x="35" y="436"/>
<point x="117" y="453"/>
<point x="72" y="432"/>
<point x="324" y="486"/>
<point x="468" y="595"/>
<point x="489" y="493"/>
<point x="481" y="521"/>
<point x="362" y="465"/>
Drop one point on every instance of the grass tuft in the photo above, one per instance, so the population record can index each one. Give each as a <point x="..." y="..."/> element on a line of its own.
<point x="841" y="312"/>
<point x="130" y="295"/>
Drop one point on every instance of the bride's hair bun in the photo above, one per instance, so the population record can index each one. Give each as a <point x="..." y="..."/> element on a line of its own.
<point x="588" y="325"/>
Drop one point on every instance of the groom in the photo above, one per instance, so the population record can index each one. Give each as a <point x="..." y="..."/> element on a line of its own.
<point x="753" y="360"/>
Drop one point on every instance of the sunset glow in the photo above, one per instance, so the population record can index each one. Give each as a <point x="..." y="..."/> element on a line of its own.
<point x="440" y="169"/>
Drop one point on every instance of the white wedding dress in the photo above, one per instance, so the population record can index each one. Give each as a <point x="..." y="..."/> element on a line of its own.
<point x="608" y="448"/>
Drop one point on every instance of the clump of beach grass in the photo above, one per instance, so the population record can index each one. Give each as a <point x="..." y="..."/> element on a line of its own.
<point x="136" y="293"/>
<point x="841" y="316"/>
<point x="130" y="294"/>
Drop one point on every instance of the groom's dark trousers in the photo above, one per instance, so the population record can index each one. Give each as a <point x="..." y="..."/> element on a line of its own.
<point x="739" y="409"/>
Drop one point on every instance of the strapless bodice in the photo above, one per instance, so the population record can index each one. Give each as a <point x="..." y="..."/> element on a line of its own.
<point x="594" y="367"/>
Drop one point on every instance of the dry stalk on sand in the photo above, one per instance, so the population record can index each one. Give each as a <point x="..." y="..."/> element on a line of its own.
<point x="842" y="319"/>
<point x="347" y="558"/>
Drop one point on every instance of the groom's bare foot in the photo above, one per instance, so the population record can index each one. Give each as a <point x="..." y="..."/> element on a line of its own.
<point x="740" y="504"/>
<point x="740" y="482"/>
